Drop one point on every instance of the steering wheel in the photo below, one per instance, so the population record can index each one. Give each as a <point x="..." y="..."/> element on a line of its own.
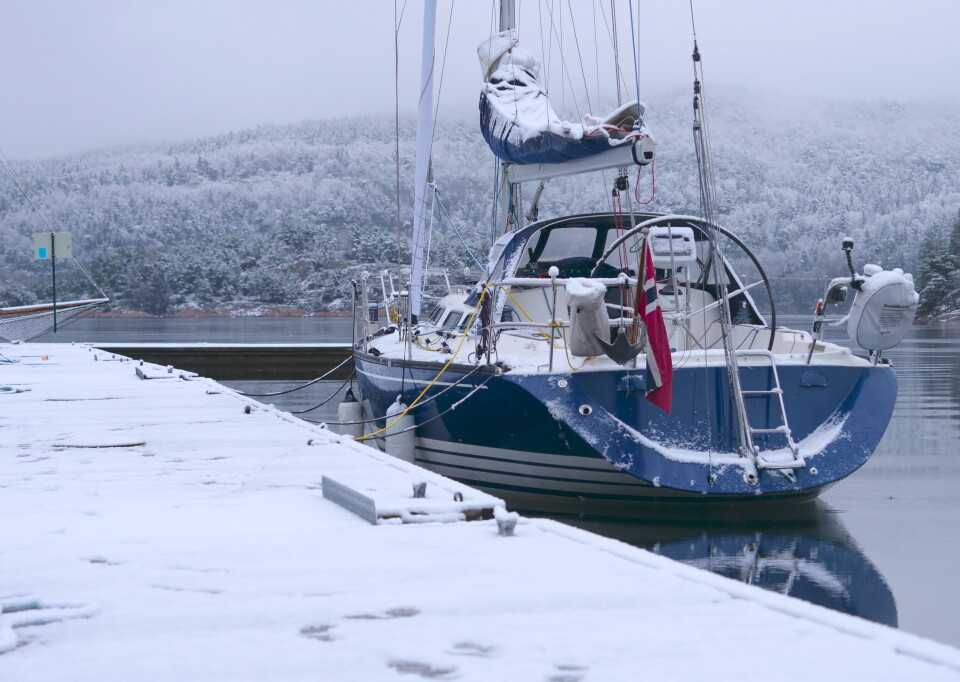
<point x="582" y="266"/>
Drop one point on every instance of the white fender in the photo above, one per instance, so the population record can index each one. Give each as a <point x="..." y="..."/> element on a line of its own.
<point x="350" y="410"/>
<point x="588" y="316"/>
<point x="400" y="445"/>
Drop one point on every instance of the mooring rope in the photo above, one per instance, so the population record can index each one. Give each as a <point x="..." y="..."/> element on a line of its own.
<point x="456" y="352"/>
<point x="437" y="416"/>
<point x="421" y="404"/>
<point x="291" y="390"/>
<point x="332" y="396"/>
<point x="425" y="402"/>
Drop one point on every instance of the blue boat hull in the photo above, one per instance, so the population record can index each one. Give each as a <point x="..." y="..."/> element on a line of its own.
<point x="592" y="440"/>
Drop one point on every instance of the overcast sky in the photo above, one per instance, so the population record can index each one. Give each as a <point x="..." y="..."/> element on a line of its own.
<point x="82" y="74"/>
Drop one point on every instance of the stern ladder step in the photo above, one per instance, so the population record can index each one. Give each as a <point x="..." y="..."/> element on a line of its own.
<point x="792" y="464"/>
<point x="784" y="428"/>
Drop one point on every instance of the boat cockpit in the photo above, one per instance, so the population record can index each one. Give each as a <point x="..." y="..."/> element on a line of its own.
<point x="594" y="246"/>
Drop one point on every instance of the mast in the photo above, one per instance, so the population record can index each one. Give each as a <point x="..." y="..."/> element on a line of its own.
<point x="507" y="15"/>
<point x="508" y="20"/>
<point x="701" y="140"/>
<point x="422" y="201"/>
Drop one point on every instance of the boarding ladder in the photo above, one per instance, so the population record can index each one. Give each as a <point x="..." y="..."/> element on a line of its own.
<point x="784" y="465"/>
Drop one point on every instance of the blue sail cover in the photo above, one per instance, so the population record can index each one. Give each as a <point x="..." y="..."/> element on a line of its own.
<point x="501" y="134"/>
<point x="519" y="124"/>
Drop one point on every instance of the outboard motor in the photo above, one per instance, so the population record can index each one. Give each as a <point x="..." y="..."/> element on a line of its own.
<point x="882" y="310"/>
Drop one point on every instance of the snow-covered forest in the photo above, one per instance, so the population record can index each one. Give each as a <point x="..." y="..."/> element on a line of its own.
<point x="288" y="215"/>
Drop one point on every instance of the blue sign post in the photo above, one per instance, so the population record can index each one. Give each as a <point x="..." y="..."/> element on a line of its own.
<point x="46" y="245"/>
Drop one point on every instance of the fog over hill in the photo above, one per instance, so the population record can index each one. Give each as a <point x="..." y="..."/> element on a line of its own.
<point x="289" y="214"/>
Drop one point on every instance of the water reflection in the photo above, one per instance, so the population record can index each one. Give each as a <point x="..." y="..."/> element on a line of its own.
<point x="929" y="372"/>
<point x="807" y="554"/>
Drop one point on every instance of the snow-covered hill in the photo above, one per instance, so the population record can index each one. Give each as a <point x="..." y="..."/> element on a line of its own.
<point x="287" y="215"/>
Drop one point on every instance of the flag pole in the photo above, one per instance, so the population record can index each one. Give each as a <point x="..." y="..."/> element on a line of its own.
<point x="53" y="266"/>
<point x="641" y="284"/>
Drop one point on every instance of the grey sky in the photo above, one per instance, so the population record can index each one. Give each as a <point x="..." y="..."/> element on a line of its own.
<point x="80" y="74"/>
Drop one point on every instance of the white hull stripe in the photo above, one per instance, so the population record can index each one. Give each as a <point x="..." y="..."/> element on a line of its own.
<point x="527" y="474"/>
<point x="597" y="464"/>
<point x="546" y="485"/>
<point x="526" y="469"/>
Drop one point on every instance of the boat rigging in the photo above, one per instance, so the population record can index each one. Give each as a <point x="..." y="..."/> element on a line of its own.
<point x="607" y="359"/>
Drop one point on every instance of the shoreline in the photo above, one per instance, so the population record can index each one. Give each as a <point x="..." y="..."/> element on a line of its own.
<point x="222" y="312"/>
<point x="296" y="312"/>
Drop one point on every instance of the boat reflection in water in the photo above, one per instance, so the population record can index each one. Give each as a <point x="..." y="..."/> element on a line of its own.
<point x="808" y="555"/>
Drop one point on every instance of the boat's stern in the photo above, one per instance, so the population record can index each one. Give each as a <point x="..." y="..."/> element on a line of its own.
<point x="836" y="417"/>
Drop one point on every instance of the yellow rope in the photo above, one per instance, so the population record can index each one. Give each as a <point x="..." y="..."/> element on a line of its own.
<point x="473" y="315"/>
<point x="566" y="351"/>
<point x="555" y="325"/>
<point x="530" y="319"/>
<point x="424" y="346"/>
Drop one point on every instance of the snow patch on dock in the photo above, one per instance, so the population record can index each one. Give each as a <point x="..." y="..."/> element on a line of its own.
<point x="199" y="546"/>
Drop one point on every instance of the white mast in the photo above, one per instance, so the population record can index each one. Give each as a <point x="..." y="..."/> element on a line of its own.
<point x="507" y="15"/>
<point x="422" y="202"/>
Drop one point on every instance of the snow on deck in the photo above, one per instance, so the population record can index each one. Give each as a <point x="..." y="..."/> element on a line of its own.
<point x="155" y="530"/>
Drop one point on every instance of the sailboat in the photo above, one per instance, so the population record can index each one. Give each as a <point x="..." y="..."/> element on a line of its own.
<point x="607" y="360"/>
<point x="22" y="323"/>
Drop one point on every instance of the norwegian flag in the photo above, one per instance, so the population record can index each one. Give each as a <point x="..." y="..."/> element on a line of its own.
<point x="659" y="362"/>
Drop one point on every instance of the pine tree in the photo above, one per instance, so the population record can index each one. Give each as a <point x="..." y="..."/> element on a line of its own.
<point x="938" y="282"/>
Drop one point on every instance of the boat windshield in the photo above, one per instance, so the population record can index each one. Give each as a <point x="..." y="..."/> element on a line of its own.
<point x="623" y="259"/>
<point x="574" y="249"/>
<point x="566" y="242"/>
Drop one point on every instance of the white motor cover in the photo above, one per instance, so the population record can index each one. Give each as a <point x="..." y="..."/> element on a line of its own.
<point x="883" y="310"/>
<point x="588" y="316"/>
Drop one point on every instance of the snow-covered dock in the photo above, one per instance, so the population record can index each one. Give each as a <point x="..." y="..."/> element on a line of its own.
<point x="159" y="530"/>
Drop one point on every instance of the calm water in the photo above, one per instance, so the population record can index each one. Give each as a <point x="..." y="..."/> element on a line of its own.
<point x="903" y="507"/>
<point x="204" y="329"/>
<point x="882" y="544"/>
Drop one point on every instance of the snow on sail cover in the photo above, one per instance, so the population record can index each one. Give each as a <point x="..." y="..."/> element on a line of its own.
<point x="520" y="125"/>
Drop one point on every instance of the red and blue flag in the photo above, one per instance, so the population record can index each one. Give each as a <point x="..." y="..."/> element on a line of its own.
<point x="659" y="361"/>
